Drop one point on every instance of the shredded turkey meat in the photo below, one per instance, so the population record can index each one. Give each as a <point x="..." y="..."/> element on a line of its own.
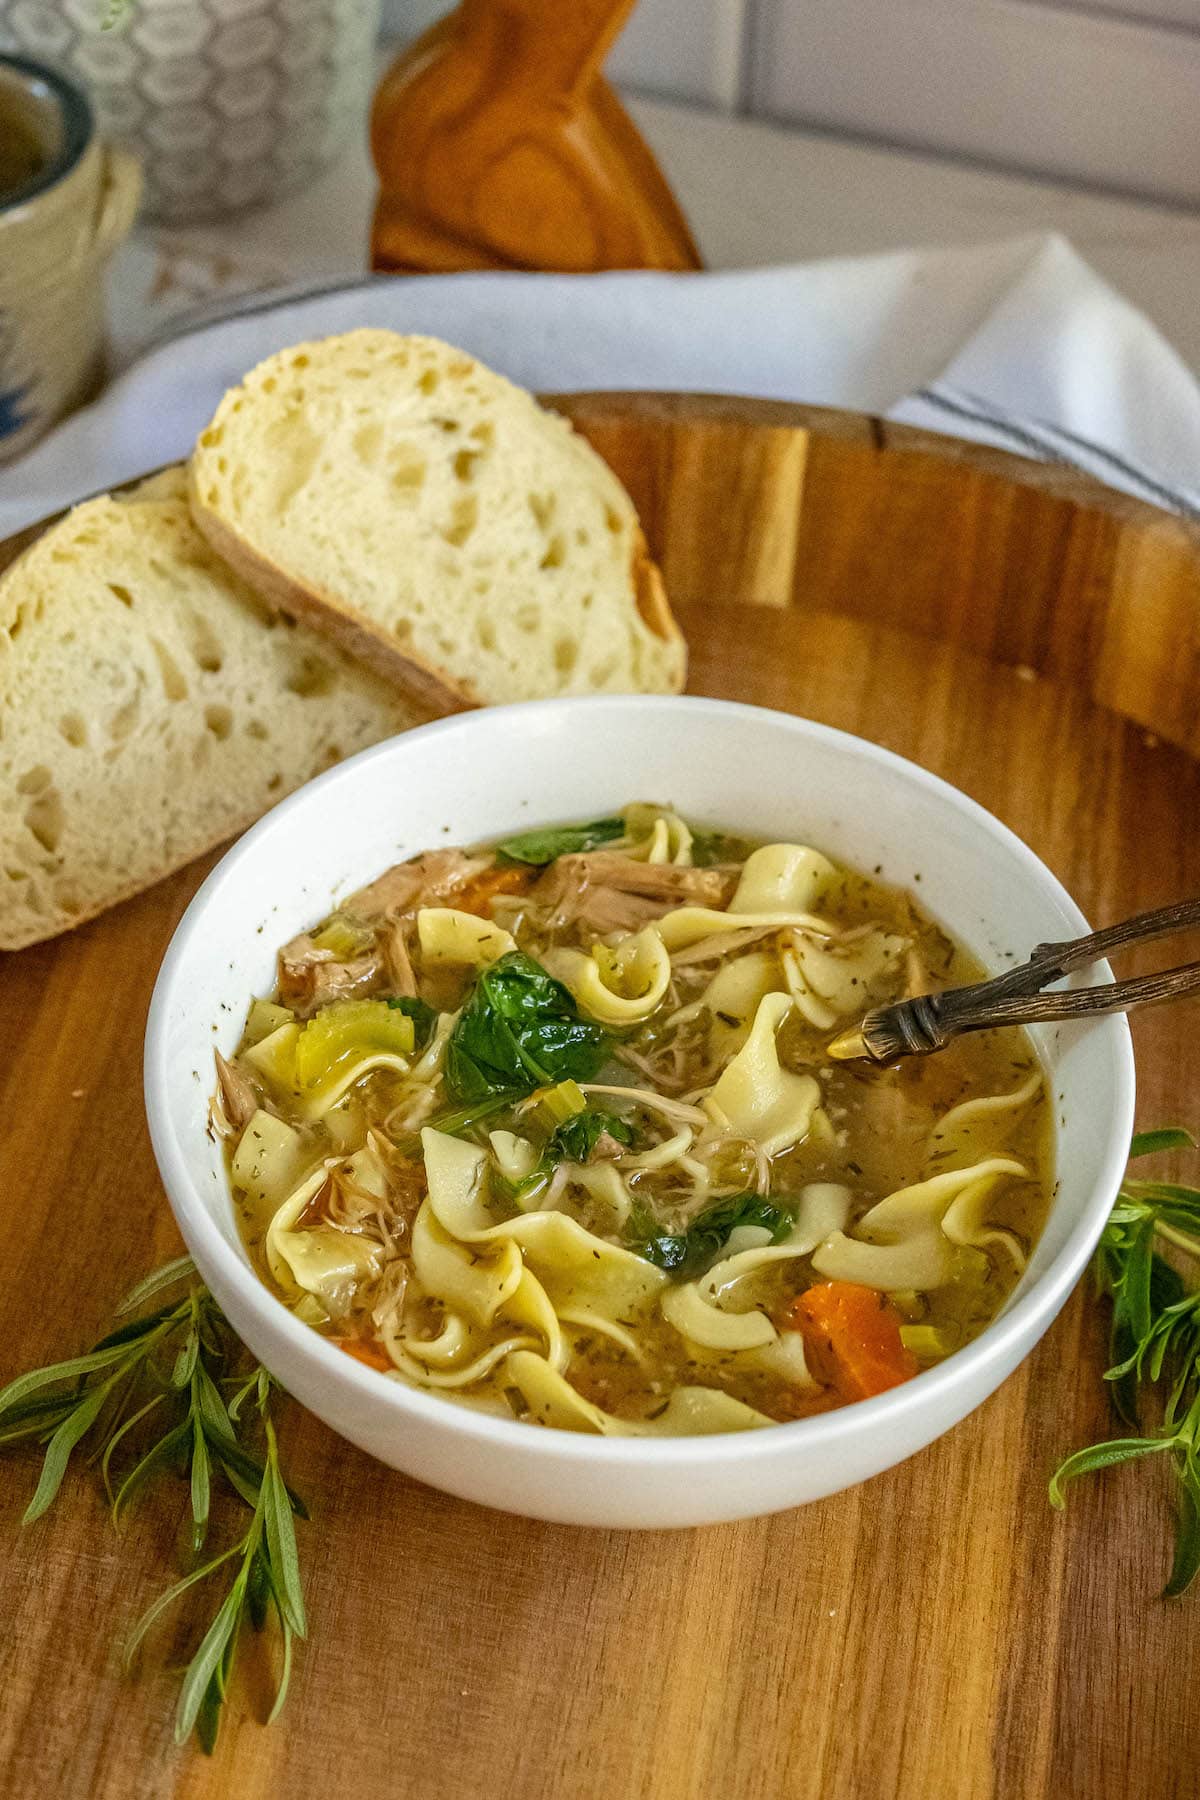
<point x="429" y="880"/>
<point x="606" y="1148"/>
<point x="605" y="891"/>
<point x="236" y="1099"/>
<point x="310" y="977"/>
<point x="398" y="960"/>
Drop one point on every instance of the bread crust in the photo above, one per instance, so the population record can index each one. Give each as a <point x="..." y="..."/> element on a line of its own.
<point x="418" y="675"/>
<point x="432" y="691"/>
<point x="420" y="684"/>
<point x="650" y="598"/>
<point x="118" y="843"/>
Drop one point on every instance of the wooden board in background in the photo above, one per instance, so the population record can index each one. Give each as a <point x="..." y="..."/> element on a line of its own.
<point x="938" y="1634"/>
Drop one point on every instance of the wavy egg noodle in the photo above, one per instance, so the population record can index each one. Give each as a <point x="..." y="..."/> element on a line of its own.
<point x="832" y="976"/>
<point x="965" y="1222"/>
<point x="733" y="996"/>
<point x="619" y="985"/>
<point x="667" y="839"/>
<point x="718" y="1311"/>
<point x="268" y="1162"/>
<point x="604" y="1184"/>
<point x="466" y="1374"/>
<point x="534" y="1265"/>
<point x="901" y="1242"/>
<point x="690" y="1411"/>
<point x="449" y="936"/>
<point x="782" y="878"/>
<point x="756" y="1097"/>
<point x="319" y="1261"/>
<point x="981" y="1127"/>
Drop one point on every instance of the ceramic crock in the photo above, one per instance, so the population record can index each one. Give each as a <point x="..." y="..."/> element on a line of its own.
<point x="57" y="232"/>
<point x="228" y="103"/>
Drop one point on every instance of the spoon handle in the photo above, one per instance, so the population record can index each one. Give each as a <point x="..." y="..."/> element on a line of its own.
<point x="1143" y="928"/>
<point x="927" y="1022"/>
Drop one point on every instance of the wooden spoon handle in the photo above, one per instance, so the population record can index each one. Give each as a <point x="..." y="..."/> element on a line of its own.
<point x="927" y="1022"/>
<point x="560" y="44"/>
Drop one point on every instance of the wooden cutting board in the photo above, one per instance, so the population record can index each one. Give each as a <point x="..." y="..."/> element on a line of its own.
<point x="939" y="1634"/>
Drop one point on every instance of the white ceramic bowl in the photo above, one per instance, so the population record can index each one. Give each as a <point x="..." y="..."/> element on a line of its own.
<point x="489" y="773"/>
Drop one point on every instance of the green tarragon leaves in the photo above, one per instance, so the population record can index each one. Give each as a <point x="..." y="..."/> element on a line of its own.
<point x="519" y="1030"/>
<point x="1154" y="1342"/>
<point x="157" y="1386"/>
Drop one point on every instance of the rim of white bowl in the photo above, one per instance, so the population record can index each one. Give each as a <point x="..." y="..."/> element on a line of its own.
<point x="994" y="1344"/>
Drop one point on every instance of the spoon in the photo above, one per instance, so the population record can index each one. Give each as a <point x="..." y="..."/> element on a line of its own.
<point x="928" y="1022"/>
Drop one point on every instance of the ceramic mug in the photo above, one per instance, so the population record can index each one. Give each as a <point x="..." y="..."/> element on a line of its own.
<point x="66" y="203"/>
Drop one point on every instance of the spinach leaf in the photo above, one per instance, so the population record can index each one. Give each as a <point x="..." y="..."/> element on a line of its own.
<point x="541" y="847"/>
<point x="688" y="1253"/>
<point x="577" y="1137"/>
<point x="519" y="1030"/>
<point x="423" y="1016"/>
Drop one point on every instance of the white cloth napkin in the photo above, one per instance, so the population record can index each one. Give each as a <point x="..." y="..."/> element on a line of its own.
<point x="1017" y="344"/>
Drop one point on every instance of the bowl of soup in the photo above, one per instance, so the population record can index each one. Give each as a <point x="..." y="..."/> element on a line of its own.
<point x="490" y="1084"/>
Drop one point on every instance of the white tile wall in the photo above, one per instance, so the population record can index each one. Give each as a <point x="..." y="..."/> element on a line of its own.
<point x="1043" y="87"/>
<point x="1105" y="92"/>
<point x="408" y="18"/>
<point x="1170" y="12"/>
<point x="689" y="49"/>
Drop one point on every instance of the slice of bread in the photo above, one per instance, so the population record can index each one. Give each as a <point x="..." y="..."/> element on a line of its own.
<point x="436" y="521"/>
<point x="150" y="707"/>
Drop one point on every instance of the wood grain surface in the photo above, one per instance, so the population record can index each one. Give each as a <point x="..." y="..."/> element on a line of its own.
<point x="499" y="145"/>
<point x="938" y="1634"/>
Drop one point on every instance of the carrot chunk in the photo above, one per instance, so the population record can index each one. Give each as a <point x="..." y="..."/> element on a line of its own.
<point x="363" y="1351"/>
<point x="476" y="895"/>
<point x="851" y="1338"/>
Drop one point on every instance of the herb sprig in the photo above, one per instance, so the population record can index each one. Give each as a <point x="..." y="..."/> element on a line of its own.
<point x="167" y="1392"/>
<point x="1154" y="1343"/>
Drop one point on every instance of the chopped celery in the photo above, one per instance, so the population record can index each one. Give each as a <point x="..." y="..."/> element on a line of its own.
<point x="350" y="1028"/>
<point x="263" y="1018"/>
<point x="557" y="1104"/>
<point x="343" y="937"/>
<point x="930" y="1342"/>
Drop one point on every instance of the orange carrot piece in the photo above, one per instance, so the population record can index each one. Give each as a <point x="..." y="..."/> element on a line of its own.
<point x="852" y="1338"/>
<point x="476" y="895"/>
<point x="365" y="1352"/>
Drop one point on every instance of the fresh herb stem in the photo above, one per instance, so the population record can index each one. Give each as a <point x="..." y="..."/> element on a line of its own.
<point x="1168" y="1234"/>
<point x="151" y="1396"/>
<point x="1154" y="1343"/>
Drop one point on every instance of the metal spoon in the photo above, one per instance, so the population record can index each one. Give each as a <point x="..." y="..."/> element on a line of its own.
<point x="928" y="1021"/>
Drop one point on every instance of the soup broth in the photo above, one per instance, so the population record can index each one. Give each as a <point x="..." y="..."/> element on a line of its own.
<point x="551" y="1128"/>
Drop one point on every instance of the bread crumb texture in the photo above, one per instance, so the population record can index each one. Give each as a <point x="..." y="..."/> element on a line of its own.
<point x="150" y="707"/>
<point x="400" y="486"/>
